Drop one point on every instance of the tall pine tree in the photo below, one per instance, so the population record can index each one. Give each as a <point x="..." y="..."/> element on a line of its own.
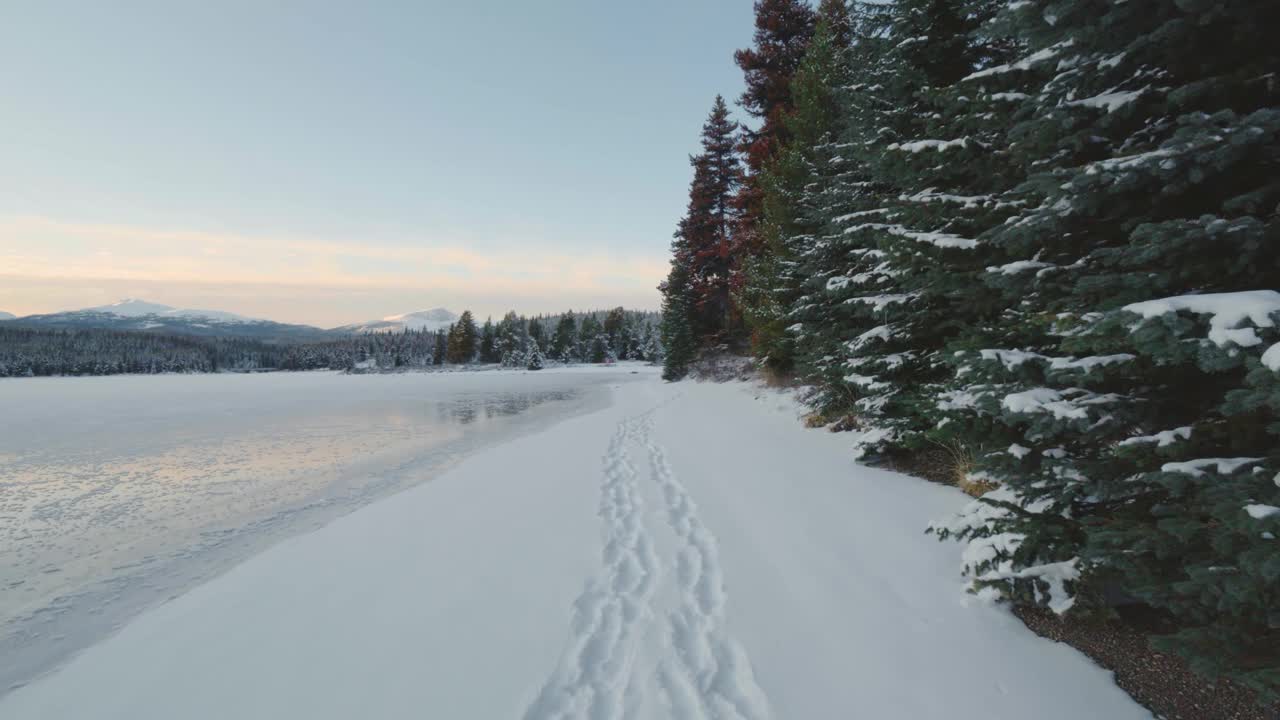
<point x="790" y="216"/>
<point x="702" y="240"/>
<point x="1139" y="283"/>
<point x="783" y="29"/>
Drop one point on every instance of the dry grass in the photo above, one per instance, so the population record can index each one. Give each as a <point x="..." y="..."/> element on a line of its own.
<point x="775" y="379"/>
<point x="960" y="468"/>
<point x="815" y="420"/>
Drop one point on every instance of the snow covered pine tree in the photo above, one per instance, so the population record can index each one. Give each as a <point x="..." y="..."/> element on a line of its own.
<point x="1145" y="394"/>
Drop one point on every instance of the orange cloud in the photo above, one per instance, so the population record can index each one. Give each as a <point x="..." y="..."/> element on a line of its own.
<point x="47" y="265"/>
<point x="40" y="247"/>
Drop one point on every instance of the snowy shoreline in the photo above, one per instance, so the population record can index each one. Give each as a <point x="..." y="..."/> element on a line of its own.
<point x="125" y="493"/>
<point x="608" y="563"/>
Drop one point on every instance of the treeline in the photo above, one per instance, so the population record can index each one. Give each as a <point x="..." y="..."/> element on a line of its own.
<point x="1042" y="234"/>
<point x="517" y="341"/>
<point x="28" y="352"/>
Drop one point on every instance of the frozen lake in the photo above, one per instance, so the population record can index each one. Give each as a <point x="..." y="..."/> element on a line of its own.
<point x="120" y="492"/>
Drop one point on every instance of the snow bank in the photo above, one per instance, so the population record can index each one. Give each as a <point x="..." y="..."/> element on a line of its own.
<point x="690" y="552"/>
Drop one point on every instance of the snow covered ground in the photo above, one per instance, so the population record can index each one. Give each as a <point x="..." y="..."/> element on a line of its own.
<point x="690" y="551"/>
<point x="119" y="492"/>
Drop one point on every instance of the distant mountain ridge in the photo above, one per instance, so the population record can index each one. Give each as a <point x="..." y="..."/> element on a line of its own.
<point x="141" y="315"/>
<point x="430" y="320"/>
<point x="132" y="307"/>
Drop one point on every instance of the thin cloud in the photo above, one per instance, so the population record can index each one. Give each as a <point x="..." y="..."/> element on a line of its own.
<point x="38" y="247"/>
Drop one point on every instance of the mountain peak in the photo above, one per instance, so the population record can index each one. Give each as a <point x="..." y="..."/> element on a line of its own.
<point x="134" y="307"/>
<point x="433" y="319"/>
<point x="433" y="315"/>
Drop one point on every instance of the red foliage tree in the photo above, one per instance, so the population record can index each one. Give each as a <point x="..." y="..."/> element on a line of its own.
<point x="783" y="30"/>
<point x="703" y="239"/>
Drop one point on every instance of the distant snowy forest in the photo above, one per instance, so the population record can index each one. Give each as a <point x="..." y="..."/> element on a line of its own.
<point x="514" y="341"/>
<point x="1043" y="236"/>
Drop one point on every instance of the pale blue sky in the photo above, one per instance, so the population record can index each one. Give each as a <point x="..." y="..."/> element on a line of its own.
<point x="327" y="162"/>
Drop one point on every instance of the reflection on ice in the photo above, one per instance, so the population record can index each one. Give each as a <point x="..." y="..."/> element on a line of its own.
<point x="119" y="492"/>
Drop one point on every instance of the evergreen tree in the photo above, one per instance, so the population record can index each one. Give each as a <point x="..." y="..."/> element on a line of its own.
<point x="889" y="278"/>
<point x="782" y="32"/>
<point x="653" y="350"/>
<point x="587" y="332"/>
<point x="441" y="349"/>
<point x="566" y="337"/>
<point x="677" y="331"/>
<point x="535" y="331"/>
<point x="510" y="343"/>
<point x="488" y="342"/>
<point x="463" y="339"/>
<point x="1138" y="290"/>
<point x="599" y="351"/>
<point x="704" y="232"/>
<point x="534" y="360"/>
<point x="614" y="321"/>
<point x="940" y="180"/>
<point x="789" y="219"/>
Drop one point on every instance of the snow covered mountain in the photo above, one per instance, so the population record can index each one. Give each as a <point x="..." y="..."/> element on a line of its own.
<point x="434" y="319"/>
<point x="7" y="316"/>
<point x="132" y="307"/>
<point x="134" y="314"/>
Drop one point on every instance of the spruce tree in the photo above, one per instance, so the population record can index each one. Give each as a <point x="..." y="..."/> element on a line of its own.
<point x="890" y="276"/>
<point x="704" y="232"/>
<point x="599" y="350"/>
<point x="587" y="332"/>
<point x="441" y="348"/>
<point x="677" y="330"/>
<point x="510" y="342"/>
<point x="534" y="359"/>
<point x="790" y="220"/>
<point x="1138" y="283"/>
<point x="614" y="321"/>
<point x="782" y="32"/>
<point x="566" y="337"/>
<point x="535" y="331"/>
<point x="463" y="339"/>
<point x="488" y="342"/>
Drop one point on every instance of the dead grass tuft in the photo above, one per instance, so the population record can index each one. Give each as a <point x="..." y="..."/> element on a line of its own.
<point x="960" y="467"/>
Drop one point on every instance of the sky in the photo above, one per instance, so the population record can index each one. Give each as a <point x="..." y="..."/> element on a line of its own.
<point x="333" y="162"/>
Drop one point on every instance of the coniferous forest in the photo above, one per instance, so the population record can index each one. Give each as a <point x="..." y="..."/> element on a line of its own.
<point x="514" y="341"/>
<point x="1044" y="236"/>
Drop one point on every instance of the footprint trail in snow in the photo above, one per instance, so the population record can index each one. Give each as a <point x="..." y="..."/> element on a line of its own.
<point x="708" y="674"/>
<point x="594" y="673"/>
<point x="702" y="673"/>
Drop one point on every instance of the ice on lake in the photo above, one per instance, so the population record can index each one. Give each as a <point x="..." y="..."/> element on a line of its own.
<point x="120" y="492"/>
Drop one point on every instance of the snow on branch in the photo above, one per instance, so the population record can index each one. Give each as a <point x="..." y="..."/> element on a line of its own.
<point x="1227" y="311"/>
<point x="1196" y="468"/>
<point x="1162" y="438"/>
<point x="1023" y="64"/>
<point x="1065" y="405"/>
<point x="939" y="145"/>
